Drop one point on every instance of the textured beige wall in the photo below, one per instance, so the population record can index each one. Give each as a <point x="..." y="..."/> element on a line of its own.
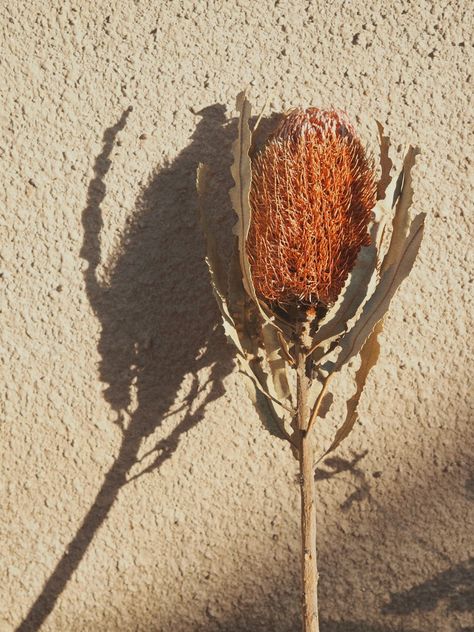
<point x="139" y="490"/>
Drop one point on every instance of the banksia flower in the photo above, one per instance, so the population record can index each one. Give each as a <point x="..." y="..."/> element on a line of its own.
<point x="304" y="203"/>
<point x="312" y="194"/>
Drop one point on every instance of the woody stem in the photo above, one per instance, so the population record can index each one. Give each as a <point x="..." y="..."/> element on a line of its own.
<point x="308" y="505"/>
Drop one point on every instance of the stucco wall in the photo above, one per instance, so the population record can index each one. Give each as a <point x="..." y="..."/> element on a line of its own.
<point x="139" y="491"/>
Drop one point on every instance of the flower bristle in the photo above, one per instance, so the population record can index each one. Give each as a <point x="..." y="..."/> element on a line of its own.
<point x="312" y="194"/>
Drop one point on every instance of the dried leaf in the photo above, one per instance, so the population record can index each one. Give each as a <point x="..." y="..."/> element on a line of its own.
<point x="239" y="193"/>
<point x="381" y="232"/>
<point x="243" y="310"/>
<point x="266" y="411"/>
<point x="276" y="362"/>
<point x="285" y="348"/>
<point x="368" y="358"/>
<point x="392" y="193"/>
<point x="377" y="305"/>
<point x="403" y="195"/>
<point x="249" y="328"/>
<point x="253" y="370"/>
<point x="352" y="297"/>
<point x="383" y="210"/>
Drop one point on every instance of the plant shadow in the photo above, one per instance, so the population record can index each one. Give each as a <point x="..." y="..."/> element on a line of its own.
<point x="359" y="626"/>
<point x="270" y="624"/>
<point x="158" y="319"/>
<point x="338" y="465"/>
<point x="455" y="586"/>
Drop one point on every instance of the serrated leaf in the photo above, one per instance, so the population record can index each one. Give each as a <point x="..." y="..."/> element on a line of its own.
<point x="249" y="329"/>
<point x="237" y="325"/>
<point x="352" y="296"/>
<point x="378" y="303"/>
<point x="239" y="194"/>
<point x="368" y="358"/>
<point x="403" y="196"/>
<point x="393" y="191"/>
<point x="384" y="209"/>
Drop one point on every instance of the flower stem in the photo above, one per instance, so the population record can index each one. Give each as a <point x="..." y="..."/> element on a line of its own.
<point x="308" y="505"/>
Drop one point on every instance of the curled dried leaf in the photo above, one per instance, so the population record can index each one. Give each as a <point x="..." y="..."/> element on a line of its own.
<point x="352" y="297"/>
<point x="368" y="358"/>
<point x="239" y="194"/>
<point x="268" y="416"/>
<point x="378" y="304"/>
<point x="403" y="197"/>
<point x="237" y="330"/>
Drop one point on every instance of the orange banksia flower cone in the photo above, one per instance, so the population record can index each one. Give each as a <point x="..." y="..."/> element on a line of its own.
<point x="312" y="193"/>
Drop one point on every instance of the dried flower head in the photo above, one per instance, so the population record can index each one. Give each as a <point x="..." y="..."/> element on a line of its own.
<point x="312" y="192"/>
<point x="303" y="206"/>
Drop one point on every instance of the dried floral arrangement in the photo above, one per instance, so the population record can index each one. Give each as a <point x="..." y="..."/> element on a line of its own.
<point x="314" y="269"/>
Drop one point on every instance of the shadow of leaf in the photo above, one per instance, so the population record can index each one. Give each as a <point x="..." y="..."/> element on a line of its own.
<point x="359" y="626"/>
<point x="456" y="586"/>
<point x="338" y="465"/>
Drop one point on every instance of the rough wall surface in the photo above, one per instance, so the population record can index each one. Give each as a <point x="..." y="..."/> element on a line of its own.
<point x="139" y="491"/>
